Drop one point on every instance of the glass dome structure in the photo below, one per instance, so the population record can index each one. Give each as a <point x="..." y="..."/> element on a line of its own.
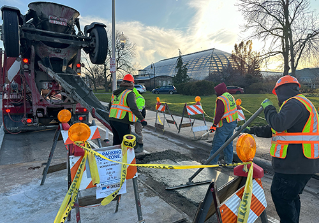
<point x="199" y="64"/>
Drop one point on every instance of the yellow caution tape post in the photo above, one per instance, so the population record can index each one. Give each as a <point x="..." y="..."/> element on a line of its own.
<point x="244" y="206"/>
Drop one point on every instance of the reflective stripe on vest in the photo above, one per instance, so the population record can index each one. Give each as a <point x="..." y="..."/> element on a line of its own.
<point x="309" y="137"/>
<point x="119" y="108"/>
<point x="230" y="112"/>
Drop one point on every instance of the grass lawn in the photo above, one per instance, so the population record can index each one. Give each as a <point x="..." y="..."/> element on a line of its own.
<point x="176" y="102"/>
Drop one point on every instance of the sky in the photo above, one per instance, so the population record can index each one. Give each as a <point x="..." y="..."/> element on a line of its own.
<point x="160" y="28"/>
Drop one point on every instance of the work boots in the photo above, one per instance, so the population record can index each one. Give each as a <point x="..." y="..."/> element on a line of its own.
<point x="138" y="148"/>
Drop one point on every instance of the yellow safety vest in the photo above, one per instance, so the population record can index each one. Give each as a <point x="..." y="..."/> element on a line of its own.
<point x="309" y="137"/>
<point x="230" y="112"/>
<point x="119" y="107"/>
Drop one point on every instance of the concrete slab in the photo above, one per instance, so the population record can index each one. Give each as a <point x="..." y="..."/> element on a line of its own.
<point x="173" y="177"/>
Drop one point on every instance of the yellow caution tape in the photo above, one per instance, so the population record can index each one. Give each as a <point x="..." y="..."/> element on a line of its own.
<point x="159" y="166"/>
<point x="178" y="103"/>
<point x="93" y="169"/>
<point x="65" y="208"/>
<point x="111" y="197"/>
<point x="251" y="113"/>
<point x="244" y="206"/>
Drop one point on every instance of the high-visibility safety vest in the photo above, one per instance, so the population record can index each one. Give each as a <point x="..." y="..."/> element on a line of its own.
<point x="119" y="107"/>
<point x="230" y="112"/>
<point x="309" y="137"/>
<point x="140" y="102"/>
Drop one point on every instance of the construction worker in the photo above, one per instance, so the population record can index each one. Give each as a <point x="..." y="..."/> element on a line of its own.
<point x="225" y="121"/>
<point x="140" y="102"/>
<point x="295" y="145"/>
<point x="123" y="110"/>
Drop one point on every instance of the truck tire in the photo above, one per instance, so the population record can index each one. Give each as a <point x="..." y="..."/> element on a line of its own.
<point x="99" y="38"/>
<point x="11" y="35"/>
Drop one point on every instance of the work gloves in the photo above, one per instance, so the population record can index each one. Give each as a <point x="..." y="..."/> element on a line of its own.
<point x="266" y="103"/>
<point x="143" y="122"/>
<point x="212" y="128"/>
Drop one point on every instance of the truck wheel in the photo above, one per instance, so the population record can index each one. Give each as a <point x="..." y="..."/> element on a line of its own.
<point x="11" y="36"/>
<point x="99" y="39"/>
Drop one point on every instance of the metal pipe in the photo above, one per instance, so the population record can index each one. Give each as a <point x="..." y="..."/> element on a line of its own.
<point x="227" y="142"/>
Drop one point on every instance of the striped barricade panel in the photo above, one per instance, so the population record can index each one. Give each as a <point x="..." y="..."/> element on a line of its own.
<point x="229" y="208"/>
<point x="194" y="109"/>
<point x="241" y="116"/>
<point x="161" y="108"/>
<point x="95" y="134"/>
<point x="86" y="181"/>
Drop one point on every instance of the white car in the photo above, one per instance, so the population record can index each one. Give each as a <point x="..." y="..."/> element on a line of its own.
<point x="140" y="88"/>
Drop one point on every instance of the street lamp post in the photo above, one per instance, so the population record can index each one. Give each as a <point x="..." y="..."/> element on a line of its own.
<point x="122" y="40"/>
<point x="153" y="66"/>
<point x="113" y="47"/>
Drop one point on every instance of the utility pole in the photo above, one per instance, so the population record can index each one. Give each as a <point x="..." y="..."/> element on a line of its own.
<point x="113" y="60"/>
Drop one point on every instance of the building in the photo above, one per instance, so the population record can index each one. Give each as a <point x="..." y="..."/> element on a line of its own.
<point x="199" y="64"/>
<point x="308" y="77"/>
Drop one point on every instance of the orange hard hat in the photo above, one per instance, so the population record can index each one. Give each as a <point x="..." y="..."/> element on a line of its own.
<point x="285" y="80"/>
<point x="128" y="77"/>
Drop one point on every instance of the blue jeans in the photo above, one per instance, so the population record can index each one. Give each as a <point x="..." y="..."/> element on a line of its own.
<point x="285" y="190"/>
<point x="222" y="134"/>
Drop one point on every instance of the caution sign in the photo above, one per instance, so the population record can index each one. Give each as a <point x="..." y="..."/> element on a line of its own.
<point x="108" y="171"/>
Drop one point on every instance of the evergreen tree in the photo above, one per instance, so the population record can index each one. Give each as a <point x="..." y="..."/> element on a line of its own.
<point x="181" y="71"/>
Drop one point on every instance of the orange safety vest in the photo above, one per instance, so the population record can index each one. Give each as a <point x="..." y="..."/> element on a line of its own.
<point x="119" y="107"/>
<point x="230" y="112"/>
<point x="309" y="137"/>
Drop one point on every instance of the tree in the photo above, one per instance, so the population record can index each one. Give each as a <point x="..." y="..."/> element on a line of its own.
<point x="227" y="74"/>
<point x="246" y="60"/>
<point x="181" y="71"/>
<point x="124" y="65"/>
<point x="93" y="72"/>
<point x="246" y="66"/>
<point x="123" y="53"/>
<point x="287" y="27"/>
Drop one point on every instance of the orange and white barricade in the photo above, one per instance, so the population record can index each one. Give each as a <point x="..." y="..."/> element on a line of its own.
<point x="235" y="203"/>
<point x="162" y="108"/>
<point x="192" y="110"/>
<point x="241" y="116"/>
<point x="229" y="208"/>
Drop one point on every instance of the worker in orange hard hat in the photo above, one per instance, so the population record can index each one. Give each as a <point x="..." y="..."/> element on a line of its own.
<point x="295" y="145"/>
<point x="123" y="110"/>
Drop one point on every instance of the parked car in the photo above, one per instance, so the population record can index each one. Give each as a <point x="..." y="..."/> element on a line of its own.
<point x="140" y="88"/>
<point x="235" y="90"/>
<point x="164" y="90"/>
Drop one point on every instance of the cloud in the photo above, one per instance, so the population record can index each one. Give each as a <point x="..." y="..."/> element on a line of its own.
<point x="156" y="43"/>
